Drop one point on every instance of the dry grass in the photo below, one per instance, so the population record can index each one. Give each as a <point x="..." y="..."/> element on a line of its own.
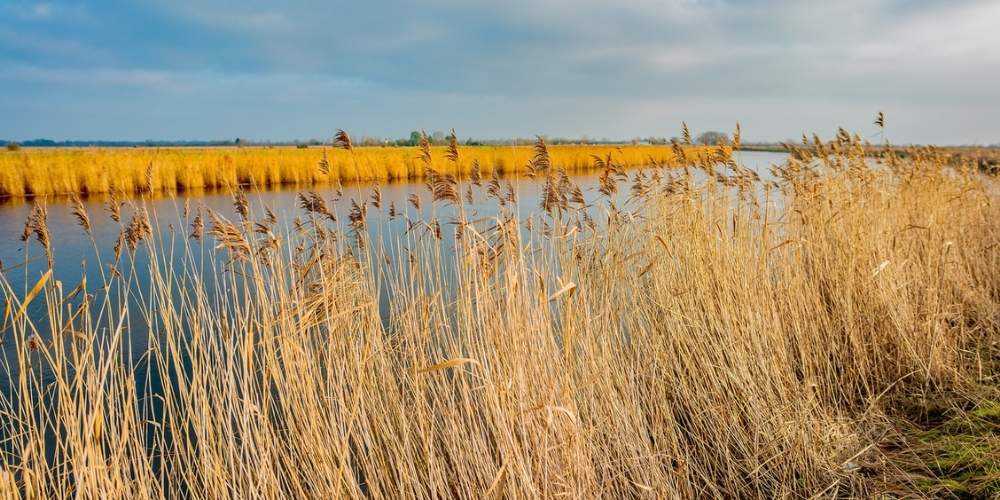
<point x="42" y="172"/>
<point x="726" y="338"/>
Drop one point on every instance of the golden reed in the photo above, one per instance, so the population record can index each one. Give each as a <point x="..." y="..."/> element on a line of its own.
<point x="41" y="172"/>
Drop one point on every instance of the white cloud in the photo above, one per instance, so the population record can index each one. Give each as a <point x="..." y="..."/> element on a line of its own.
<point x="41" y="10"/>
<point x="172" y="82"/>
<point x="592" y="66"/>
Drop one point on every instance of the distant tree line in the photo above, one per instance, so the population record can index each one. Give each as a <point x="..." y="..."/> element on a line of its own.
<point x="437" y="138"/>
<point x="710" y="138"/>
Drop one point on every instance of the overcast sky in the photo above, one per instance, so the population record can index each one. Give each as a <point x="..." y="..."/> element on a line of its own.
<point x="198" y="69"/>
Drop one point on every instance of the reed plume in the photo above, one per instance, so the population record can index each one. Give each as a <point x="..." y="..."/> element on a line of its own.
<point x="149" y="178"/>
<point x="343" y="140"/>
<point x="607" y="184"/>
<point x="138" y="229"/>
<point x="414" y="200"/>
<point x="313" y="203"/>
<point x="197" y="226"/>
<point x="358" y="216"/>
<point x="425" y="150"/>
<point x="541" y="161"/>
<point x="452" y="152"/>
<point x="475" y="175"/>
<point x="78" y="211"/>
<point x="119" y="244"/>
<point x="376" y="196"/>
<point x="680" y="157"/>
<point x="241" y="204"/>
<point x="552" y="198"/>
<point x="511" y="194"/>
<point x="324" y="164"/>
<point x="443" y="187"/>
<point x="229" y="236"/>
<point x="493" y="189"/>
<point x="37" y="223"/>
<point x="114" y="208"/>
<point x="28" y="226"/>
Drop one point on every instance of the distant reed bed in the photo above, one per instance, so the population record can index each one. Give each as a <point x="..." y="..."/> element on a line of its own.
<point x="42" y="172"/>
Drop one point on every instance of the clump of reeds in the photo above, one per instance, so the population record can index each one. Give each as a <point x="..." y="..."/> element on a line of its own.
<point x="167" y="171"/>
<point x="443" y="187"/>
<point x="138" y="229"/>
<point x="724" y="336"/>
<point x="229" y="236"/>
<point x="358" y="215"/>
<point x="314" y="203"/>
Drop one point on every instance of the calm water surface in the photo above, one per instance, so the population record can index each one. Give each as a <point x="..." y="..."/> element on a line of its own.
<point x="76" y="256"/>
<point x="75" y="252"/>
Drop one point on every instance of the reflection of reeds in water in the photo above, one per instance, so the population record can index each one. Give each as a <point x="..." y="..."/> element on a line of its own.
<point x="695" y="341"/>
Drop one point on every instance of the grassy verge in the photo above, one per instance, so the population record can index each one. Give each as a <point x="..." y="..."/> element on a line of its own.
<point x="949" y="442"/>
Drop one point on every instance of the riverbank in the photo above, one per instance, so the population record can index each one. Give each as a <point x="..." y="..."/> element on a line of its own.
<point x="985" y="158"/>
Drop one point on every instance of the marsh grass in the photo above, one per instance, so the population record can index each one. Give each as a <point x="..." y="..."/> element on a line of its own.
<point x="718" y="335"/>
<point x="83" y="171"/>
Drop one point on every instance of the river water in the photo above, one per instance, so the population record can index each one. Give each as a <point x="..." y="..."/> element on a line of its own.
<point x="77" y="256"/>
<point x="74" y="251"/>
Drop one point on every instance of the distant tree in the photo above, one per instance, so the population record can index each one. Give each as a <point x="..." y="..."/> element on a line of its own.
<point x="713" y="138"/>
<point x="414" y="138"/>
<point x="437" y="137"/>
<point x="13" y="146"/>
<point x="238" y="141"/>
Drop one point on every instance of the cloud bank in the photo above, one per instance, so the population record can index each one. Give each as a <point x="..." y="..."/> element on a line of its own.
<point x="110" y="69"/>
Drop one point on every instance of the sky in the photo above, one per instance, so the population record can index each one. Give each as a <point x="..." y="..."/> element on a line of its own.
<point x="267" y="70"/>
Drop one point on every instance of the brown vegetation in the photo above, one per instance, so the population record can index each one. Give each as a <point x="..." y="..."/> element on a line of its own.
<point x="729" y="337"/>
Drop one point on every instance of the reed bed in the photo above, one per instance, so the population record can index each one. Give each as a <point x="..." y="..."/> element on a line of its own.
<point x="718" y="335"/>
<point x="45" y="172"/>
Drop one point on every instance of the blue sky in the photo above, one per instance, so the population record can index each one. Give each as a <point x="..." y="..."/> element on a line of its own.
<point x="187" y="69"/>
